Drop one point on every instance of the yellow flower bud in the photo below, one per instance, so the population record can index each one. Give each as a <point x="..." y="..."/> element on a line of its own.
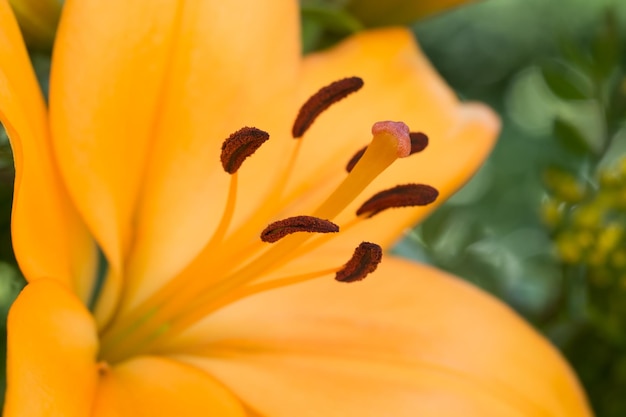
<point x="609" y="237"/>
<point x="568" y="249"/>
<point x="38" y="20"/>
<point x="551" y="212"/>
<point x="397" y="12"/>
<point x="571" y="191"/>
<point x="585" y="239"/>
<point x="564" y="185"/>
<point x="588" y="216"/>
<point x="609" y="178"/>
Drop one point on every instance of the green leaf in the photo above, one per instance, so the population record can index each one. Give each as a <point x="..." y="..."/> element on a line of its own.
<point x="606" y="45"/>
<point x="333" y="19"/>
<point x="323" y="26"/>
<point x="571" y="138"/>
<point x="311" y="34"/>
<point x="565" y="82"/>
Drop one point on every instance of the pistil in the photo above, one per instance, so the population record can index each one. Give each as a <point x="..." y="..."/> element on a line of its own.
<point x="390" y="142"/>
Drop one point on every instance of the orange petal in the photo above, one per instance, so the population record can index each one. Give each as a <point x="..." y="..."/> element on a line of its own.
<point x="108" y="69"/>
<point x="154" y="387"/>
<point x="409" y="340"/>
<point x="51" y="352"/>
<point x="48" y="237"/>
<point x="232" y="67"/>
<point x="400" y="84"/>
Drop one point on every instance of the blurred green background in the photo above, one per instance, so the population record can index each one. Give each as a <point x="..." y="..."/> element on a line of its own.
<point x="542" y="225"/>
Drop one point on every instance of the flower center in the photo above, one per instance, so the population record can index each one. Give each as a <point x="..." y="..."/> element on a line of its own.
<point x="227" y="270"/>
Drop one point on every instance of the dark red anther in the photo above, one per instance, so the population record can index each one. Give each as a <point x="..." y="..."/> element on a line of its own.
<point x="282" y="228"/>
<point x="419" y="142"/>
<point x="322" y="100"/>
<point x="355" y="158"/>
<point x="407" y="195"/>
<point x="364" y="261"/>
<point x="241" y="145"/>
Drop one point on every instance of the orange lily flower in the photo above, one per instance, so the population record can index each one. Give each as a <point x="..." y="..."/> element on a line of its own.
<point x="150" y="292"/>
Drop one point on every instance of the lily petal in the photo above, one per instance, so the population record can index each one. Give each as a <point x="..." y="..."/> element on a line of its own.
<point x="52" y="347"/>
<point x="43" y="216"/>
<point x="210" y="94"/>
<point x="107" y="72"/>
<point x="409" y="340"/>
<point x="155" y="387"/>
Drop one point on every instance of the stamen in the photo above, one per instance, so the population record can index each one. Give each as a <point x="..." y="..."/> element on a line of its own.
<point x="322" y="100"/>
<point x="241" y="145"/>
<point x="229" y="212"/>
<point x="364" y="261"/>
<point x="355" y="158"/>
<point x="419" y="141"/>
<point x="248" y="290"/>
<point x="278" y="230"/>
<point x="408" y="195"/>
